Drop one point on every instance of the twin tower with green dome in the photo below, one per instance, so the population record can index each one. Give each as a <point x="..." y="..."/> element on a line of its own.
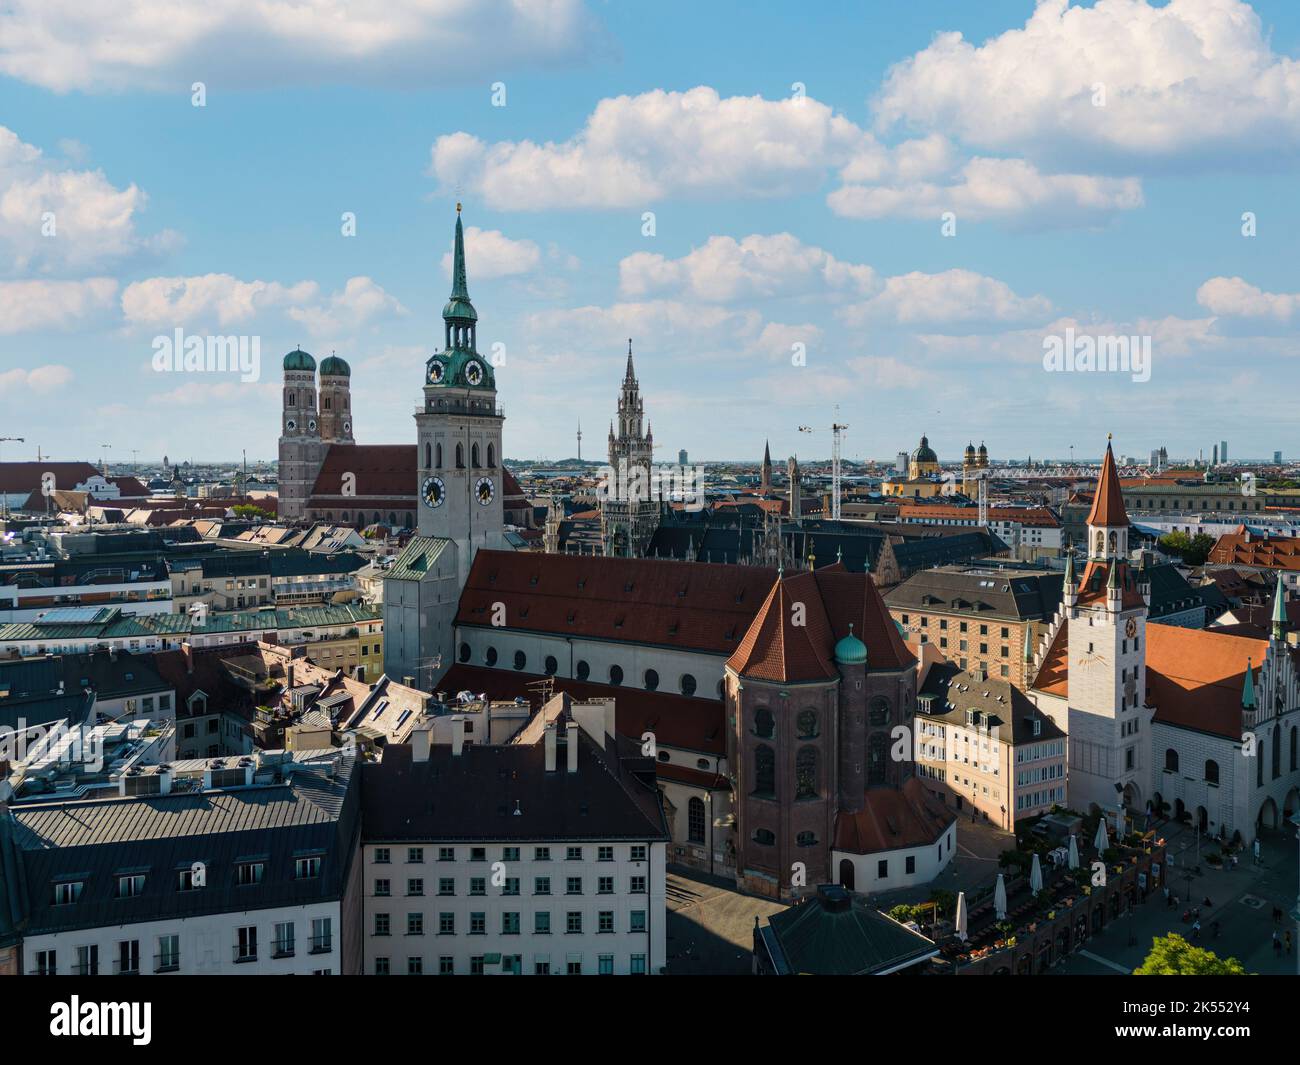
<point x="310" y="422"/>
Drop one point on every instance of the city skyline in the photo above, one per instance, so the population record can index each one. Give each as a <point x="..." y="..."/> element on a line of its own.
<point x="1107" y="204"/>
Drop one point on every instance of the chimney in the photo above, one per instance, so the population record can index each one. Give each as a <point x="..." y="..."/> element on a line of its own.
<point x="571" y="738"/>
<point x="549" y="740"/>
<point x="288" y="677"/>
<point x="457" y="736"/>
<point x="419" y="744"/>
<point x="409" y="681"/>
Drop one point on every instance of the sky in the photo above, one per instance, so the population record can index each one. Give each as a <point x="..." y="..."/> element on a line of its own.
<point x="896" y="209"/>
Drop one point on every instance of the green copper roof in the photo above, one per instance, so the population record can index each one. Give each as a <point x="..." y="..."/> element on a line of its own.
<point x="1279" y="607"/>
<point x="459" y="305"/>
<point x="1248" y="688"/>
<point x="333" y="366"/>
<point x="299" y="360"/>
<point x="851" y="651"/>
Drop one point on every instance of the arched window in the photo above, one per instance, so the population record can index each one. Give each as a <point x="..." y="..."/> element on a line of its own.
<point x="1259" y="765"/>
<point x="521" y="660"/>
<point x="551" y="666"/>
<point x="344" y="517"/>
<point x="583" y="670"/>
<point x="765" y="837"/>
<point x="1211" y="771"/>
<point x="805" y="773"/>
<point x="806" y="724"/>
<point x="392" y="518"/>
<point x="806" y="839"/>
<point x="492" y="455"/>
<point x="1101" y="545"/>
<point x="473" y="456"/>
<point x="438" y="455"/>
<point x="1114" y="542"/>
<point x="688" y="684"/>
<point x="460" y="456"/>
<point x="695" y="820"/>
<point x="464" y="652"/>
<point x="408" y="519"/>
<point x="1293" y="751"/>
<point x="764" y="723"/>
<point x="428" y="455"/>
<point x="616" y="675"/>
<point x="1171" y="760"/>
<point x="1277" y="751"/>
<point x="878" y="712"/>
<point x="878" y="759"/>
<point x="765" y="771"/>
<point x="490" y="656"/>
<point x="651" y="680"/>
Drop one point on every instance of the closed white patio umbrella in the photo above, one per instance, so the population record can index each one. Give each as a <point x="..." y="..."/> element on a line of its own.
<point x="1036" y="876"/>
<point x="1074" y="852"/>
<point x="1000" y="899"/>
<point x="961" y="916"/>
<point x="1102" y="842"/>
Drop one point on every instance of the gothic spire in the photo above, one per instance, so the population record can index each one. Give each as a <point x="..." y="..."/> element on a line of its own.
<point x="1248" y="688"/>
<point x="630" y="375"/>
<point x="459" y="286"/>
<point x="1279" y="610"/>
<point x="459" y="317"/>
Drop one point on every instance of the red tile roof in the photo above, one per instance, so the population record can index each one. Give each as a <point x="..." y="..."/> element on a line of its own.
<point x="18" y="477"/>
<point x="1195" y="677"/>
<point x="1245" y="549"/>
<point x="1108" y="504"/>
<point x="689" y="605"/>
<point x="893" y="819"/>
<point x="1053" y="673"/>
<point x="676" y="720"/>
<point x="381" y="470"/>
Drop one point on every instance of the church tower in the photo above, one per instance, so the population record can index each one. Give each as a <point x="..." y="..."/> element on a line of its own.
<point x="458" y="430"/>
<point x="1109" y="722"/>
<point x="301" y="447"/>
<point x="628" y="516"/>
<point x="765" y="481"/>
<point x="796" y="490"/>
<point x="336" y="401"/>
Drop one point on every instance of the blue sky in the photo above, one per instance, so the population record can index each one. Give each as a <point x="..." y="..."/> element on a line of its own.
<point x="778" y="221"/>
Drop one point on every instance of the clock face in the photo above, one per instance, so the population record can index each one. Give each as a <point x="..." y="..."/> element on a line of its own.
<point x="291" y="425"/>
<point x="311" y="426"/>
<point x="474" y="373"/>
<point x="347" y="427"/>
<point x="484" y="490"/>
<point x="1131" y="628"/>
<point x="436" y="372"/>
<point x="433" y="491"/>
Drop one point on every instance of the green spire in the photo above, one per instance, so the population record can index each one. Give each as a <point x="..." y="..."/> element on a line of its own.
<point x="1069" y="568"/>
<point x="459" y="287"/>
<point x="1248" y="688"/>
<point x="1279" y="609"/>
<point x="1112" y="578"/>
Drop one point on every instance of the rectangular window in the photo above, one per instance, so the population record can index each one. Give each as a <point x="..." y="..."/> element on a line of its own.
<point x="446" y="965"/>
<point x="382" y="924"/>
<point x="130" y="887"/>
<point x="638" y="965"/>
<point x="604" y="854"/>
<point x="638" y="885"/>
<point x="477" y="885"/>
<point x="415" y="886"/>
<point x="510" y="923"/>
<point x="382" y="856"/>
<point x="541" y="885"/>
<point x="415" y="924"/>
<point x="573" y="922"/>
<point x="446" y="854"/>
<point x="510" y="854"/>
<point x="605" y="885"/>
<point x="246" y="943"/>
<point x="67" y="893"/>
<point x="606" y="965"/>
<point x="383" y="888"/>
<point x="446" y="924"/>
<point x="306" y="868"/>
<point x="636" y="921"/>
<point x="541" y="854"/>
<point x="478" y="923"/>
<point x="638" y="852"/>
<point x="605" y="921"/>
<point x="414" y="966"/>
<point x="542" y="923"/>
<point x="128" y="957"/>
<point x="446" y="885"/>
<point x="169" y="954"/>
<point x="282" y="940"/>
<point x="381" y="967"/>
<point x="882" y="869"/>
<point x="573" y="854"/>
<point x="414" y="855"/>
<point x="478" y="854"/>
<point x="46" y="963"/>
<point x="573" y="885"/>
<point x="322" y="935"/>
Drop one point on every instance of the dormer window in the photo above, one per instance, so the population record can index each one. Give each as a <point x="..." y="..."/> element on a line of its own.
<point x="67" y="892"/>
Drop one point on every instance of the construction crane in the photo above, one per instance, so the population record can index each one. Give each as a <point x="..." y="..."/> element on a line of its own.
<point x="837" y="430"/>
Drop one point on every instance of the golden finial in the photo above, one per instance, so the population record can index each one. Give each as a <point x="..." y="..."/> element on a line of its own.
<point x="458" y="207"/>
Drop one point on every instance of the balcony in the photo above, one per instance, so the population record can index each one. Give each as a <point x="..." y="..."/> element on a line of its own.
<point x="166" y="963"/>
<point x="322" y="944"/>
<point x="244" y="954"/>
<point x="126" y="967"/>
<point x="282" y="950"/>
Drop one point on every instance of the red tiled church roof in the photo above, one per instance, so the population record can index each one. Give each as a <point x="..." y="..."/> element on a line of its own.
<point x="1195" y="677"/>
<point x="381" y="470"/>
<point x="892" y="819"/>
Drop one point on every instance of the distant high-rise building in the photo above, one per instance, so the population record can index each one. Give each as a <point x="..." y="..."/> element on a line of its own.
<point x="1215" y="460"/>
<point x="681" y="457"/>
<point x="1277" y="458"/>
<point x="1223" y="451"/>
<point x="900" y="463"/>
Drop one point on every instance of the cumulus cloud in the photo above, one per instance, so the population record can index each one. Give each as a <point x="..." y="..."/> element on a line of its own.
<point x="42" y="379"/>
<point x="757" y="267"/>
<point x="490" y="254"/>
<point x="1232" y="297"/>
<point x="224" y="300"/>
<point x="55" y="218"/>
<point x="1186" y="78"/>
<point x="153" y="44"/>
<point x="636" y="150"/>
<point x="32" y="305"/>
<point x="1011" y="190"/>
<point x="953" y="296"/>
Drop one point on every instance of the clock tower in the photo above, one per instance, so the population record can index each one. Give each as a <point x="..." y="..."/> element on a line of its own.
<point x="458" y="429"/>
<point x="1106" y="613"/>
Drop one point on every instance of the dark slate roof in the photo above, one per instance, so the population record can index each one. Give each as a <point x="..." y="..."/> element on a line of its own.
<point x="924" y="553"/>
<point x="1004" y="708"/>
<point x="980" y="591"/>
<point x="1170" y="592"/>
<point x="95" y="841"/>
<point x="611" y="796"/>
<point x="30" y="691"/>
<point x="835" y="934"/>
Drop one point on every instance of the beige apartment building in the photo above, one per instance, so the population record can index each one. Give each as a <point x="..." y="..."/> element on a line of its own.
<point x="985" y="750"/>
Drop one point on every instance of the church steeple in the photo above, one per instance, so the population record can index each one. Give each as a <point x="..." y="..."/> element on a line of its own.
<point x="459" y="317"/>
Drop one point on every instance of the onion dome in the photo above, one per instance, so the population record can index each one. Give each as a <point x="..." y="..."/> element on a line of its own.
<point x="851" y="651"/>
<point x="924" y="453"/>
<point x="333" y="366"/>
<point x="299" y="360"/>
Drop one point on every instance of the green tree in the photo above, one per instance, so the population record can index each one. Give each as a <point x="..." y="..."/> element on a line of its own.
<point x="247" y="510"/>
<point x="1193" y="550"/>
<point x="1172" y="955"/>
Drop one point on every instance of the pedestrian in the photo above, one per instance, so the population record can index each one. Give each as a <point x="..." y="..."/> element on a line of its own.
<point x="1196" y="929"/>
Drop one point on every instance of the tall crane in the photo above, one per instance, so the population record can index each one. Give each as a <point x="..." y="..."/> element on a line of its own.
<point x="837" y="429"/>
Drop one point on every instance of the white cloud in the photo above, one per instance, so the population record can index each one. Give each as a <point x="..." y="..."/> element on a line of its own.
<point x="221" y="299"/>
<point x="32" y="305"/>
<point x="154" y="44"/>
<point x="55" y="218"/>
<point x="489" y="254"/>
<point x="636" y="150"/>
<point x="1190" y="77"/>
<point x="756" y="267"/>
<point x="1011" y="190"/>
<point x="1232" y="297"/>
<point x="41" y="380"/>
<point x="951" y="296"/>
